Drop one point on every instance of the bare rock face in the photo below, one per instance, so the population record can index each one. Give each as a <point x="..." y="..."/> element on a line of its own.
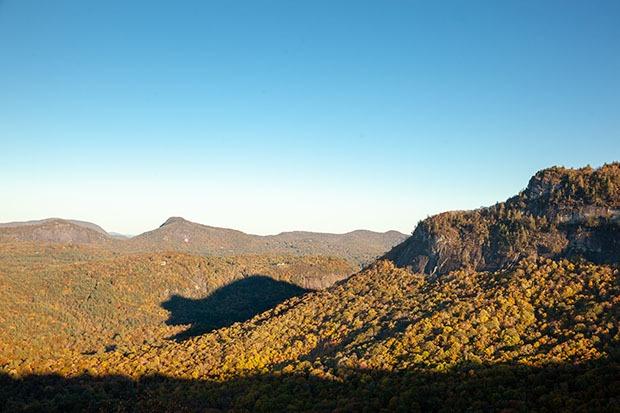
<point x="563" y="213"/>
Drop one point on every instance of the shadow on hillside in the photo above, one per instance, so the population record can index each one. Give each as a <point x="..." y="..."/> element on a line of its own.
<point x="238" y="301"/>
<point x="508" y="388"/>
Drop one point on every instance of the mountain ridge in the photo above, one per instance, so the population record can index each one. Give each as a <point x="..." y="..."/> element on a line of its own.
<point x="85" y="224"/>
<point x="518" y="318"/>
<point x="177" y="233"/>
<point x="55" y="230"/>
<point x="562" y="213"/>
<point x="180" y="234"/>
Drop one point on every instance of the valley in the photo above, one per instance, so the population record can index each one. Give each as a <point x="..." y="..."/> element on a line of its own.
<point x="514" y="307"/>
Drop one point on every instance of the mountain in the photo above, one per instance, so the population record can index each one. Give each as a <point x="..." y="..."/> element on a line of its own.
<point x="524" y="316"/>
<point x="84" y="224"/>
<point x="178" y="234"/>
<point x="563" y="213"/>
<point x="54" y="230"/>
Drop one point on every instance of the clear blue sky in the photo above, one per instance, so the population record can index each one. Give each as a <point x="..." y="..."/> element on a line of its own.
<point x="276" y="115"/>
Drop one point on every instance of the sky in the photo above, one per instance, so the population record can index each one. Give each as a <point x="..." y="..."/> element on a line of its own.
<point x="268" y="116"/>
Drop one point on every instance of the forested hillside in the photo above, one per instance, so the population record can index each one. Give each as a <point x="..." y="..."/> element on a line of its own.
<point x="58" y="298"/>
<point x="359" y="247"/>
<point x="542" y="336"/>
<point x="177" y="234"/>
<point x="54" y="231"/>
<point x="563" y="213"/>
<point x="510" y="308"/>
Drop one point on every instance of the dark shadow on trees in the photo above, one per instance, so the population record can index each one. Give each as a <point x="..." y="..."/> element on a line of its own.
<point x="235" y="302"/>
<point x="467" y="387"/>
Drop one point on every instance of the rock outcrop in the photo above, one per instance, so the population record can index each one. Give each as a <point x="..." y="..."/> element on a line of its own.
<point x="563" y="213"/>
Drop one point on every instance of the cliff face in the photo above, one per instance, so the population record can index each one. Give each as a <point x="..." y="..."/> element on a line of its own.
<point x="563" y="213"/>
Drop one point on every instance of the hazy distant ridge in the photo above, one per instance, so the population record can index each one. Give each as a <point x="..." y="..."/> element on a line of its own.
<point x="178" y="234"/>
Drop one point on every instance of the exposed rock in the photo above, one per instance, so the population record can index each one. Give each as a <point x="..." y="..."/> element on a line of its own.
<point x="562" y="213"/>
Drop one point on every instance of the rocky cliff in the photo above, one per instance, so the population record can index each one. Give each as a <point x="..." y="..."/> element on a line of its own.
<point x="562" y="213"/>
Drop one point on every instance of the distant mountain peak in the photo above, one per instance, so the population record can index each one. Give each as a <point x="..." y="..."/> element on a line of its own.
<point x="176" y="233"/>
<point x="54" y="230"/>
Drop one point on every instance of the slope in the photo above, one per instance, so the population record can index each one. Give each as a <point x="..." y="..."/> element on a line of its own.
<point x="562" y="213"/>
<point x="513" y="323"/>
<point x="388" y="338"/>
<point x="54" y="230"/>
<point x="83" y="299"/>
<point x="178" y="234"/>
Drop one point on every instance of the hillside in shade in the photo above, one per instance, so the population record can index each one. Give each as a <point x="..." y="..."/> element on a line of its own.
<point x="523" y="317"/>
